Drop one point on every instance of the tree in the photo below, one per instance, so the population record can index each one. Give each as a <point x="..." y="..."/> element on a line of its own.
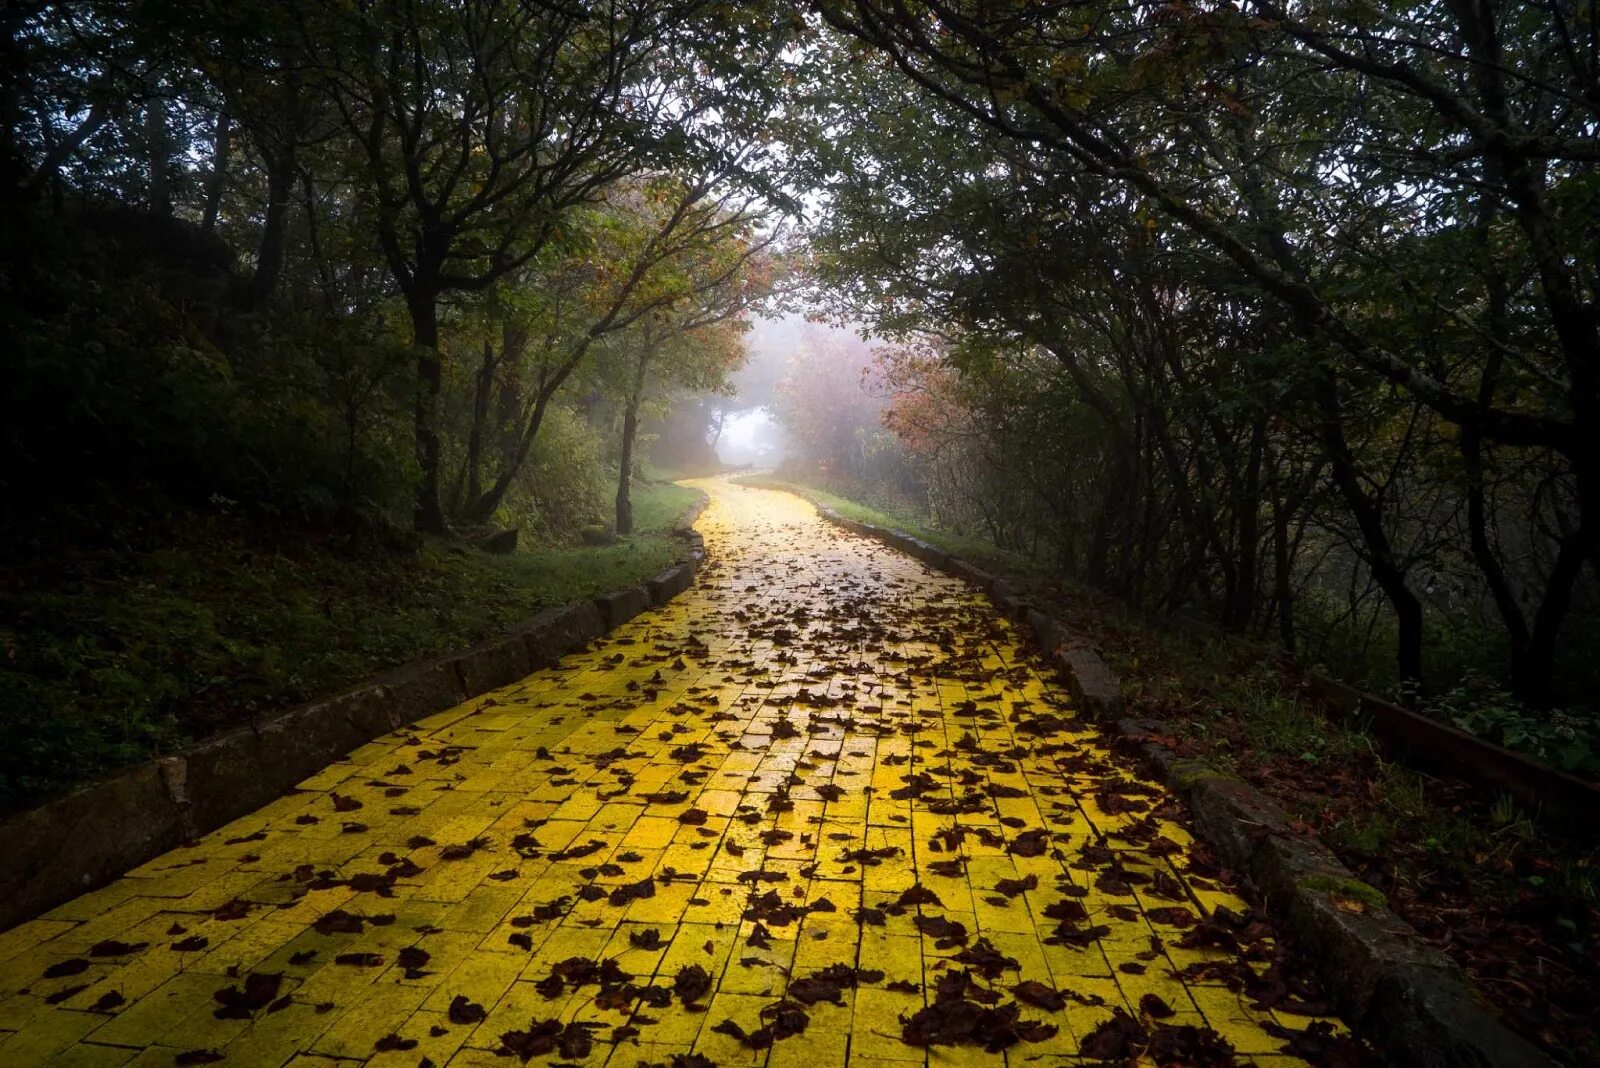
<point x="823" y="405"/>
<point x="484" y="124"/>
<point x="694" y="344"/>
<point x="1278" y="154"/>
<point x="672" y="241"/>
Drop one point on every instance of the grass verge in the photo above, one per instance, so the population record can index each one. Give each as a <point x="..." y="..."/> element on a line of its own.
<point x="139" y="647"/>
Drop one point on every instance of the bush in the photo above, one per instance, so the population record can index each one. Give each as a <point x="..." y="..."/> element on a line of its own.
<point x="565" y="485"/>
<point x="128" y="367"/>
<point x="1481" y="707"/>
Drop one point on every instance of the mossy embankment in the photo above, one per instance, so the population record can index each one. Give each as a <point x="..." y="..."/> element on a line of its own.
<point x="137" y="641"/>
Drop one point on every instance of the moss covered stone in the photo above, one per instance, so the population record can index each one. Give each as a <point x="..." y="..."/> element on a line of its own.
<point x="1370" y="896"/>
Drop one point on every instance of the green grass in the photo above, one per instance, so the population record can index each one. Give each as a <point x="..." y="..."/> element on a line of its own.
<point x="119" y="654"/>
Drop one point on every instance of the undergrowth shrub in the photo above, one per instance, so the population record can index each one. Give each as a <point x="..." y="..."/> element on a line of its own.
<point x="1482" y="707"/>
<point x="565" y="485"/>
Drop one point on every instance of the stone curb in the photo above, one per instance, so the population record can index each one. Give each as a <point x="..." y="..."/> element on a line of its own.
<point x="1410" y="1000"/>
<point x="619" y="606"/>
<point x="86" y="839"/>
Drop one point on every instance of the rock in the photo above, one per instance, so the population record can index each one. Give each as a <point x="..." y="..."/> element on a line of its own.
<point x="669" y="582"/>
<point x="1095" y="688"/>
<point x="555" y="632"/>
<point x="619" y="606"/>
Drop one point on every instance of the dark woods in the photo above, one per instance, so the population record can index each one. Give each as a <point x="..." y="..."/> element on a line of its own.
<point x="338" y="334"/>
<point x="401" y="261"/>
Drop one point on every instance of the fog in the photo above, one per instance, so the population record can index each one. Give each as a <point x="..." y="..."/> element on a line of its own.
<point x="777" y="348"/>
<point x="751" y="438"/>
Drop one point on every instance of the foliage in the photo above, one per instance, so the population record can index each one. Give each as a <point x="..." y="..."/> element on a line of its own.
<point x="127" y="368"/>
<point x="1480" y="706"/>
<point x="313" y="272"/>
<point x="565" y="480"/>
<point x="429" y="212"/>
<point x="825" y="403"/>
<point x="1235" y="309"/>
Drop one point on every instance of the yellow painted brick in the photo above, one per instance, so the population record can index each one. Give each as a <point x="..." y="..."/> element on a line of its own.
<point x="46" y="1038"/>
<point x="771" y="552"/>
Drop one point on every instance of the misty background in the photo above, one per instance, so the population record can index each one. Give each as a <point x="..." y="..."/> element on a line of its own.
<point x="807" y="394"/>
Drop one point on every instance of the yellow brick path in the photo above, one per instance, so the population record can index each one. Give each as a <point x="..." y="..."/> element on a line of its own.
<point x="735" y="754"/>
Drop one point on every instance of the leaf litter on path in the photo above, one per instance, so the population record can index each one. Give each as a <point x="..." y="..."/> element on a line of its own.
<point x="826" y="769"/>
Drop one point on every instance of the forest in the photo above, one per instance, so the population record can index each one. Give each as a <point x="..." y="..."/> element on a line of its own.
<point x="309" y="289"/>
<point x="1283" y="317"/>
<point x="346" y="335"/>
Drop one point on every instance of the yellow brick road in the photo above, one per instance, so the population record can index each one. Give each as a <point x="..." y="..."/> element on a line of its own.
<point x="820" y="804"/>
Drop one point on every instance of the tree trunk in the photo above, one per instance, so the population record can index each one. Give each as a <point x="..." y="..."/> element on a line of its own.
<point x="328" y="295"/>
<point x="1095" y="567"/>
<point x="1386" y="567"/>
<point x="424" y="309"/>
<point x="220" y="150"/>
<point x="1282" y="574"/>
<point x="630" y="431"/>
<point x="484" y="382"/>
<point x="1244" y="594"/>
<point x="484" y="507"/>
<point x="158" y="156"/>
<point x="630" y="427"/>
<point x="50" y="165"/>
<point x="269" y="254"/>
<point x="1532" y="674"/>
<point x="58" y="200"/>
<point x="352" y="424"/>
<point x="480" y="510"/>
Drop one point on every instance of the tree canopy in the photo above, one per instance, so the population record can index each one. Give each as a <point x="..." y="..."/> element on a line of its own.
<point x="1321" y="280"/>
<point x="479" y="201"/>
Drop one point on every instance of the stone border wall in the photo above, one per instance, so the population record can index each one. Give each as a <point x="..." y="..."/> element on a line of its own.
<point x="88" y="838"/>
<point x="1410" y="1000"/>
